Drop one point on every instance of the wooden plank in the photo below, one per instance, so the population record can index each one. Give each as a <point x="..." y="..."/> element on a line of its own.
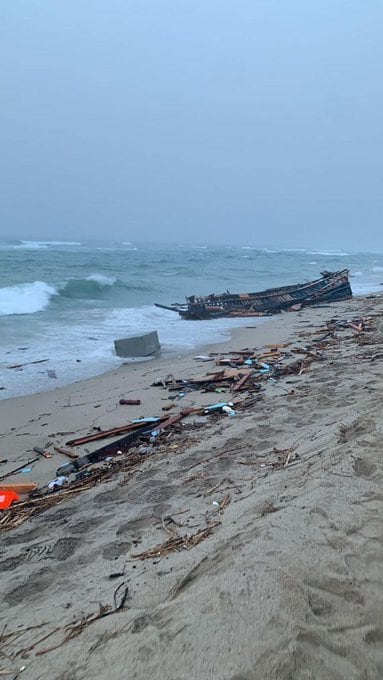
<point x="240" y="384"/>
<point x="21" y="489"/>
<point x="280" y="346"/>
<point x="64" y="452"/>
<point x="114" y="432"/>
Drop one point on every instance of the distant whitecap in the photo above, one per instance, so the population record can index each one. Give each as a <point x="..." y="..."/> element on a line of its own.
<point x="328" y="253"/>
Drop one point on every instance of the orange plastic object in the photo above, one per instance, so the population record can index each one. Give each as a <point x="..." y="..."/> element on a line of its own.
<point x="7" y="498"/>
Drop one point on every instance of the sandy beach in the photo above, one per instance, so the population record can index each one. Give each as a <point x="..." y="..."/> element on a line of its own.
<point x="272" y="520"/>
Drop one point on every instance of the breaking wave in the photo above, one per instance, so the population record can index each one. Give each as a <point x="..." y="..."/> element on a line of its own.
<point x="26" y="298"/>
<point x="96" y="286"/>
<point x="92" y="287"/>
<point x="102" y="279"/>
<point x="29" y="298"/>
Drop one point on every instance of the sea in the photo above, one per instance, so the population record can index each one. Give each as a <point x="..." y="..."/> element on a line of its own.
<point x="64" y="303"/>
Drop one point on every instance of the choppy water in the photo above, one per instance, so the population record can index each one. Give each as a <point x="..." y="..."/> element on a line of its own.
<point x="68" y="301"/>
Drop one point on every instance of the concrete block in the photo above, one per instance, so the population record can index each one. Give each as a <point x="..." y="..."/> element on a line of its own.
<point x="138" y="345"/>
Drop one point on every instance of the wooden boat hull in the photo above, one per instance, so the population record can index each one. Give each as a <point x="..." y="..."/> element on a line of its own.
<point x="331" y="287"/>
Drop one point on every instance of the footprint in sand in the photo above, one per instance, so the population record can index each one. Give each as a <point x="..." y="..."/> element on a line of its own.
<point x="114" y="550"/>
<point x="363" y="468"/>
<point x="32" y="587"/>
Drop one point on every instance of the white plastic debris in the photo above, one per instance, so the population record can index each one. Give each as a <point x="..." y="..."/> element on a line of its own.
<point x="57" y="483"/>
<point x="230" y="411"/>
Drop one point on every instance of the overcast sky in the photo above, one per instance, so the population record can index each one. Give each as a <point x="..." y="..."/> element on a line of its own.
<point x="256" y="121"/>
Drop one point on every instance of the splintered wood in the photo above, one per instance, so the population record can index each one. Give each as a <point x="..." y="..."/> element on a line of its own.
<point x="175" y="544"/>
<point x="19" y="513"/>
<point x="275" y="459"/>
<point x="284" y="457"/>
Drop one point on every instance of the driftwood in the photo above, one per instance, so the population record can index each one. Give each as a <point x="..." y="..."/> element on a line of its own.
<point x="241" y="383"/>
<point x="19" y="513"/>
<point x="64" y="452"/>
<point x="28" y="363"/>
<point x="114" y="432"/>
<point x="76" y="629"/>
<point x="176" y="543"/>
<point x="20" y="488"/>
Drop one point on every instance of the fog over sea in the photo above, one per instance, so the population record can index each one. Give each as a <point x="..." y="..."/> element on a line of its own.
<point x="67" y="301"/>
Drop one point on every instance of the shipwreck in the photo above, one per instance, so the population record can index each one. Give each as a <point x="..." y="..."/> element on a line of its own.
<point x="331" y="287"/>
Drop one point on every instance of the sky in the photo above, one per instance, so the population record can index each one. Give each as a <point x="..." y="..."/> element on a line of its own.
<point x="225" y="121"/>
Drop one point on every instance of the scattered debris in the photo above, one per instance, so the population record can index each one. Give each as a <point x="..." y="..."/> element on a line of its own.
<point x="65" y="452"/>
<point x="7" y="498"/>
<point x="243" y="373"/>
<point x="130" y="402"/>
<point x="22" y="489"/>
<point x="42" y="452"/>
<point x="28" y="363"/>
<point x="20" y="468"/>
<point x="74" y="630"/>
<point x="176" y="543"/>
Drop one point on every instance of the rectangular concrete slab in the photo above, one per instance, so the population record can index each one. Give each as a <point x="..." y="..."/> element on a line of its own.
<point x="138" y="345"/>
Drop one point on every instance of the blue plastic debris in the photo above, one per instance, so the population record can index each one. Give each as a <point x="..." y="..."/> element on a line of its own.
<point x="218" y="406"/>
<point x="221" y="406"/>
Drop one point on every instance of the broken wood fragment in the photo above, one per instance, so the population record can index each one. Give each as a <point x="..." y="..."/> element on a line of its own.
<point x="64" y="452"/>
<point x="114" y="432"/>
<point x="176" y="544"/>
<point x="22" y="489"/>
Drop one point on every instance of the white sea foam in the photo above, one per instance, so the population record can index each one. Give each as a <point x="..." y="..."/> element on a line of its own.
<point x="31" y="245"/>
<point x="129" y="246"/>
<point x="85" y="348"/>
<point x="377" y="269"/>
<point x="57" y="243"/>
<point x="37" y="245"/>
<point x="365" y="288"/>
<point x="26" y="298"/>
<point x="293" y="250"/>
<point x="174" y="332"/>
<point x="328" y="253"/>
<point x="46" y="244"/>
<point x="23" y="245"/>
